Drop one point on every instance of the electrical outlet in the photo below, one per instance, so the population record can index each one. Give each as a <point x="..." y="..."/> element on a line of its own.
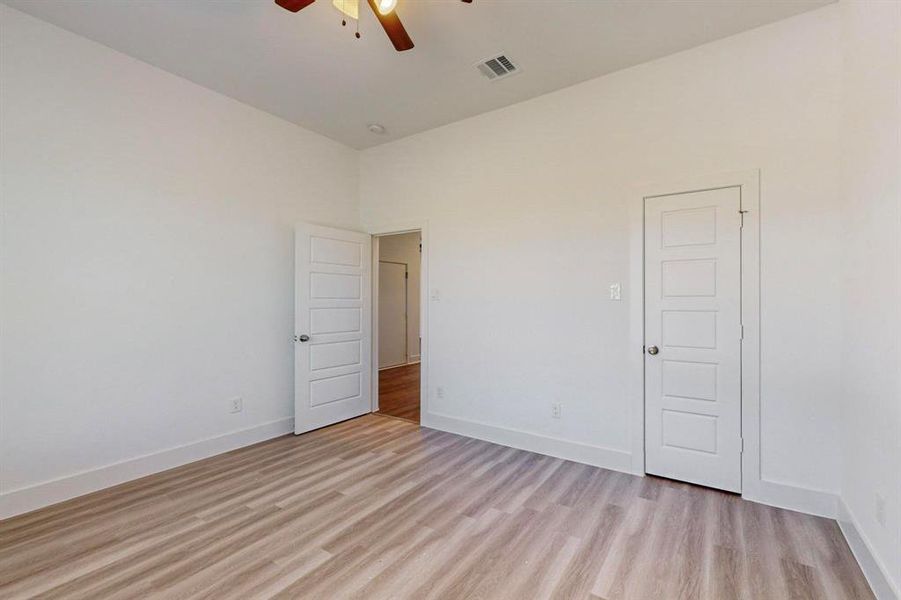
<point x="439" y="392"/>
<point x="556" y="410"/>
<point x="236" y="405"/>
<point x="880" y="509"/>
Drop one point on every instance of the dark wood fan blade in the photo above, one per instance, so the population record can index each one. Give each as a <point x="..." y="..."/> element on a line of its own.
<point x="467" y="1"/>
<point x="294" y="5"/>
<point x="393" y="27"/>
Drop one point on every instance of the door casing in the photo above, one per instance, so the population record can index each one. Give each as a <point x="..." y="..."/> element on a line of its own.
<point x="749" y="182"/>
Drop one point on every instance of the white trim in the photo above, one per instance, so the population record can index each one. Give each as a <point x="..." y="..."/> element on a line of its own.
<point x="780" y="495"/>
<point x="374" y="320"/>
<point x="806" y="500"/>
<point x="37" y="496"/>
<point x="598" y="456"/>
<point x="412" y="361"/>
<point x="752" y="475"/>
<point x="406" y="364"/>
<point x="389" y="367"/>
<point x="876" y="572"/>
<point x="749" y="182"/>
<point x="423" y="358"/>
<point x="635" y="347"/>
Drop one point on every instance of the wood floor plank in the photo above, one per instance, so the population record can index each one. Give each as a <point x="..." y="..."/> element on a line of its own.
<point x="399" y="392"/>
<point x="378" y="508"/>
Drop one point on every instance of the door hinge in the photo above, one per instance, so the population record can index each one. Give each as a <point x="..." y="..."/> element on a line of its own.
<point x="741" y="219"/>
<point x="741" y="332"/>
<point x="406" y="275"/>
<point x="741" y="445"/>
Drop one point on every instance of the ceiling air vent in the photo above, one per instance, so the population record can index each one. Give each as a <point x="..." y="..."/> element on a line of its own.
<point x="497" y="67"/>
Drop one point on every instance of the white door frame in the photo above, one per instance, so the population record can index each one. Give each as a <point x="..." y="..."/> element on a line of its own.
<point x="749" y="182"/>
<point x="393" y="229"/>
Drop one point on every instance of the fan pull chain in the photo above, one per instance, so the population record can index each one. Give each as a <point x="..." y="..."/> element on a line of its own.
<point x="343" y="9"/>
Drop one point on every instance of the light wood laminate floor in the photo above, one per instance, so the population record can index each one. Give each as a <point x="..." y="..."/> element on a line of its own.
<point x="399" y="392"/>
<point x="379" y="508"/>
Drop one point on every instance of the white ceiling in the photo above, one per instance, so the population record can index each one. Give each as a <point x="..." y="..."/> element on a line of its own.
<point x="306" y="68"/>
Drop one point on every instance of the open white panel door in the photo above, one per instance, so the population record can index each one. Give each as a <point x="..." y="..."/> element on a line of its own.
<point x="332" y="320"/>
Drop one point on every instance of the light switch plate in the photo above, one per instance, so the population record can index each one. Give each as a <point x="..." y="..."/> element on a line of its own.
<point x="616" y="291"/>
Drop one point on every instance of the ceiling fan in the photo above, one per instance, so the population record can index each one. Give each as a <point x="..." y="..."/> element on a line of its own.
<point x="384" y="12"/>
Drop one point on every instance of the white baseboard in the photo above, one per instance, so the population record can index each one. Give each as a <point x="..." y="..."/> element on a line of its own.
<point x="397" y="366"/>
<point x="874" y="569"/>
<point x="805" y="500"/>
<point x="24" y="500"/>
<point x="616" y="460"/>
<point x="780" y="495"/>
<point x="413" y="359"/>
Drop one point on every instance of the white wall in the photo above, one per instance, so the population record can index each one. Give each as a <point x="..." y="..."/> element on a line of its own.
<point x="146" y="251"/>
<point x="871" y="358"/>
<point x="528" y="218"/>
<point x="147" y="258"/>
<point x="404" y="248"/>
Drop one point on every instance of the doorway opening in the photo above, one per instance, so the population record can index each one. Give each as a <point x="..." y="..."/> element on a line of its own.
<point x="398" y="260"/>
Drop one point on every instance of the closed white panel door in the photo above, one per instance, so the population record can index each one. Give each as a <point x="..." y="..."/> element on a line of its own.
<point x="332" y="326"/>
<point x="693" y="337"/>
<point x="392" y="314"/>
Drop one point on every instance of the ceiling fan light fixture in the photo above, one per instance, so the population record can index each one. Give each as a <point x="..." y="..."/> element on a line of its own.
<point x="386" y="6"/>
<point x="376" y="128"/>
<point x="350" y="8"/>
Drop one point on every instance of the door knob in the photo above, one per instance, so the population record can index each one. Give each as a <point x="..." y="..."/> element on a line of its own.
<point x="302" y="338"/>
<point x="653" y="350"/>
